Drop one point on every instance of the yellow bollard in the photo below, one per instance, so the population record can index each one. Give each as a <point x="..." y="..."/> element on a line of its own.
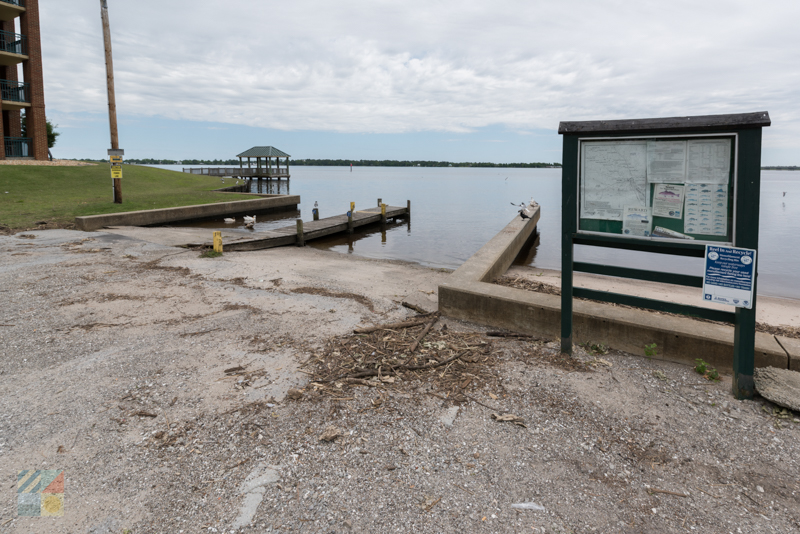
<point x="383" y="213"/>
<point x="218" y="242"/>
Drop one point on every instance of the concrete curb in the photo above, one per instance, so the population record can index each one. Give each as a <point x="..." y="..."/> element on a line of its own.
<point x="200" y="211"/>
<point x="467" y="295"/>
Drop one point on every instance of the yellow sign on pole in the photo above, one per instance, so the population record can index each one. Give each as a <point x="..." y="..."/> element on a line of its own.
<point x="116" y="171"/>
<point x="116" y="159"/>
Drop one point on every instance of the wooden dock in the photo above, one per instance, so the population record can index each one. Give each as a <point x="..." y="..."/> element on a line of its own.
<point x="288" y="235"/>
<point x="260" y="173"/>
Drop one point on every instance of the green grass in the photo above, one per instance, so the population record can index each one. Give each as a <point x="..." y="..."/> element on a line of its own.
<point x="59" y="194"/>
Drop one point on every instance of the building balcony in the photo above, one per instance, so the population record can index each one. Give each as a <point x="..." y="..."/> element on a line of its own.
<point x="11" y="9"/>
<point x="18" y="147"/>
<point x="15" y="95"/>
<point x="13" y="48"/>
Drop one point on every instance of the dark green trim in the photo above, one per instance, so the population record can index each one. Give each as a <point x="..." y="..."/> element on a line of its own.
<point x="639" y="274"/>
<point x="657" y="305"/>
<point x="627" y="243"/>
<point x="569" y="218"/>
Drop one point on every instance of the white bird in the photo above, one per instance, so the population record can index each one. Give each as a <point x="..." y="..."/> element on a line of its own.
<point x="228" y="220"/>
<point x="316" y="204"/>
<point x="249" y="225"/>
<point x="248" y="219"/>
<point x="533" y="203"/>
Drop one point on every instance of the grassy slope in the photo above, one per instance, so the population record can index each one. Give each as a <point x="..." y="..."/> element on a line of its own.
<point x="59" y="194"/>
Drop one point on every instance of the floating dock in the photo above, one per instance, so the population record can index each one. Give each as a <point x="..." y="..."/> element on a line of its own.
<point x="302" y="231"/>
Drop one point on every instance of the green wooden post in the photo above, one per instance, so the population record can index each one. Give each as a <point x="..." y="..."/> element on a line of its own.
<point x="569" y="227"/>
<point x="747" y="212"/>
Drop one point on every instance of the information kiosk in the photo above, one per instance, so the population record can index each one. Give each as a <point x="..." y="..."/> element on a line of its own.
<point x="686" y="186"/>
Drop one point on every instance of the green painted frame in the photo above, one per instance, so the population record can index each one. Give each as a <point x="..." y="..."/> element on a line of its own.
<point x="747" y="128"/>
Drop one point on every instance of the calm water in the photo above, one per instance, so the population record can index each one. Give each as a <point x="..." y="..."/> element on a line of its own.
<point x="455" y="211"/>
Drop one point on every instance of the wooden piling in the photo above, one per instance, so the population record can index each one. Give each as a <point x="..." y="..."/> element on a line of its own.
<point x="301" y="242"/>
<point x="383" y="213"/>
<point x="408" y="208"/>
<point x="316" y="214"/>
<point x="350" y="222"/>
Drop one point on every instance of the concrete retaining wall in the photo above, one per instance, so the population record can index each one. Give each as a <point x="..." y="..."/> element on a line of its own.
<point x="467" y="295"/>
<point x="184" y="213"/>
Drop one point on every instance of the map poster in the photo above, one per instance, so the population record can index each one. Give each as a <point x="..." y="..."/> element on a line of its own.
<point x="666" y="161"/>
<point x="637" y="222"/>
<point x="613" y="176"/>
<point x="729" y="276"/>
<point x="708" y="161"/>
<point x="668" y="201"/>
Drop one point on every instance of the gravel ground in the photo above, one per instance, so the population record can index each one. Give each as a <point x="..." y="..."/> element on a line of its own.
<point x="171" y="391"/>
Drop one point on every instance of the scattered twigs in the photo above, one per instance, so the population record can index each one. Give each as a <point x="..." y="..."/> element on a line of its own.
<point x="707" y="493"/>
<point x="667" y="492"/>
<point x="424" y="333"/>
<point x="390" y="326"/>
<point x="416" y="308"/>
<point x="378" y="372"/>
<point x="473" y="399"/>
<point x="494" y="333"/>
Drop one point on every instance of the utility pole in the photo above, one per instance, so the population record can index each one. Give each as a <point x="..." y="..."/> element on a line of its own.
<point x="115" y="153"/>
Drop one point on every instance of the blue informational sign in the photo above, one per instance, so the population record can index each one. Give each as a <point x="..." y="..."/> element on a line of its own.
<point x="729" y="276"/>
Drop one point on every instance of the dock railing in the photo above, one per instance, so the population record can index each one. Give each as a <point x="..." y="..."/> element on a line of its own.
<point x="263" y="172"/>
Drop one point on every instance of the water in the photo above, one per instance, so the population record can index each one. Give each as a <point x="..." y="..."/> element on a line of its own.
<point x="455" y="211"/>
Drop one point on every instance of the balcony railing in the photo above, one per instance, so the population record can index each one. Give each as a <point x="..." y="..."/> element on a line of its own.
<point x="18" y="147"/>
<point x="13" y="43"/>
<point x="14" y="91"/>
<point x="20" y="3"/>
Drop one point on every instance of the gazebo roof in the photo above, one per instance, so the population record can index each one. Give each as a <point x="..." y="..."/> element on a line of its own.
<point x="263" y="152"/>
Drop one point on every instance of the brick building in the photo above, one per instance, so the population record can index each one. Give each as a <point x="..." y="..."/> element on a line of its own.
<point x="20" y="43"/>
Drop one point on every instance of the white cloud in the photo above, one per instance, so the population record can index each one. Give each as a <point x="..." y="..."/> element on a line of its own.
<point x="389" y="66"/>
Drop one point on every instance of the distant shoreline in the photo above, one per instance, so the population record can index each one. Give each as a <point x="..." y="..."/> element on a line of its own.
<point x="379" y="163"/>
<point x="345" y="163"/>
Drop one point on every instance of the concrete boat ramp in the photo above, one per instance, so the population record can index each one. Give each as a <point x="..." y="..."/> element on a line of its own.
<point x="242" y="240"/>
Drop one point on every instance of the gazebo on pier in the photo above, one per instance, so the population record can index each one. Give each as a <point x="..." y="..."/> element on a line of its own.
<point x="267" y="169"/>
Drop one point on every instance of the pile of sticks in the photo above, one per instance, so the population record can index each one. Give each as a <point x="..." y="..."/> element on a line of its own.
<point x="414" y="350"/>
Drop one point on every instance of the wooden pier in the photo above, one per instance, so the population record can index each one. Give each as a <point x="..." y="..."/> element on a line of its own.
<point x="260" y="173"/>
<point x="268" y="165"/>
<point x="303" y="231"/>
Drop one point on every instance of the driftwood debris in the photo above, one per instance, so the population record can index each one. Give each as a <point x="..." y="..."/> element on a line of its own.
<point x="389" y="326"/>
<point x="512" y="334"/>
<point x="427" y="329"/>
<point x="419" y="310"/>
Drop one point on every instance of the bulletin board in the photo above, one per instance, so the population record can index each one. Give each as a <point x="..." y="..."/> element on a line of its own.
<point x="659" y="188"/>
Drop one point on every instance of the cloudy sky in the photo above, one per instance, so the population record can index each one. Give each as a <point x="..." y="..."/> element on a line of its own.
<point x="414" y="79"/>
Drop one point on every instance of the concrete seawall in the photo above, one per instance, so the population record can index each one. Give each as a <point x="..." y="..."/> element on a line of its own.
<point x="468" y="295"/>
<point x="184" y="213"/>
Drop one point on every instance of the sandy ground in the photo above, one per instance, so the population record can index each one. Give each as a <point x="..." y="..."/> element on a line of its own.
<point x="113" y="354"/>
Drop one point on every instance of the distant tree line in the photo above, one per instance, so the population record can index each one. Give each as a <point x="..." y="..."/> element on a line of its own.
<point x="374" y="163"/>
<point x="338" y="163"/>
<point x="417" y="163"/>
